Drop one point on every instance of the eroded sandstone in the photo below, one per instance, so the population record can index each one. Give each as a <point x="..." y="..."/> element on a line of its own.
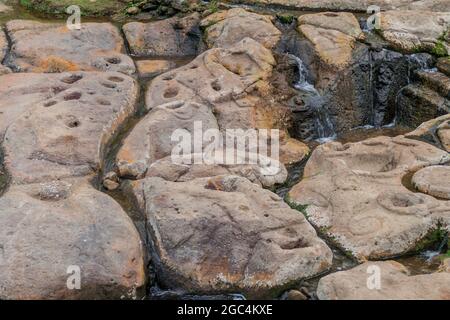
<point x="225" y="28"/>
<point x="57" y="125"/>
<point x="52" y="47"/>
<point x="355" y="195"/>
<point x="226" y="234"/>
<point x="396" y="284"/>
<point x="56" y="229"/>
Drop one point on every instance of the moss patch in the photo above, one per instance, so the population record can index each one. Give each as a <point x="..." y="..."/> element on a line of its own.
<point x="285" y="18"/>
<point x="299" y="207"/>
<point x="440" y="50"/>
<point x="88" y="8"/>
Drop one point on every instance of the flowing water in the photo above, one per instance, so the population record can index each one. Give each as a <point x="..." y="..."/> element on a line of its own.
<point x="323" y="125"/>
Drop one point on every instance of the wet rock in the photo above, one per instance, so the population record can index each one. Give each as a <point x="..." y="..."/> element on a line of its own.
<point x="355" y="195"/>
<point x="434" y="180"/>
<point x="157" y="135"/>
<point x="413" y="31"/>
<point x="295" y="295"/>
<point x="419" y="103"/>
<point x="436" y="131"/>
<point x="332" y="35"/>
<point x="152" y="68"/>
<point x="395" y="284"/>
<point x="52" y="47"/>
<point x="444" y="65"/>
<point x="52" y="230"/>
<point x="57" y="125"/>
<point x="225" y="28"/>
<point x="169" y="37"/>
<point x="111" y="181"/>
<point x="191" y="222"/>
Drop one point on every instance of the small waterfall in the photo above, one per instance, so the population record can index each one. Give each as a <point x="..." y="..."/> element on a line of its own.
<point x="322" y="122"/>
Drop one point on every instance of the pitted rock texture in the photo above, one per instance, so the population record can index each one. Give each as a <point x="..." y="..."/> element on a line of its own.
<point x="58" y="124"/>
<point x="396" y="284"/>
<point x="232" y="81"/>
<point x="333" y="36"/>
<point x="355" y="194"/>
<point x="225" y="28"/>
<point x="157" y="134"/>
<point x="226" y="234"/>
<point x="434" y="180"/>
<point x="436" y="131"/>
<point x="169" y="37"/>
<point x="52" y="230"/>
<point x="413" y="31"/>
<point x="51" y="47"/>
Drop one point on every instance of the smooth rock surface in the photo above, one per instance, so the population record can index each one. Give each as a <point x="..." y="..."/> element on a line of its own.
<point x="412" y="31"/>
<point x="355" y="195"/>
<point x="396" y="284"/>
<point x="52" y="227"/>
<point x="169" y="37"/>
<point x="225" y="28"/>
<point x="434" y="180"/>
<point x="152" y="68"/>
<point x="226" y="234"/>
<point x="333" y="36"/>
<point x="52" y="47"/>
<point x="436" y="131"/>
<point x="57" y="125"/>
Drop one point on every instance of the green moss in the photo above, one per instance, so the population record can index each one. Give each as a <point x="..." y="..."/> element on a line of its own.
<point x="440" y="50"/>
<point x="436" y="235"/>
<point x="299" y="207"/>
<point x="213" y="6"/>
<point x="285" y="18"/>
<point x="88" y="8"/>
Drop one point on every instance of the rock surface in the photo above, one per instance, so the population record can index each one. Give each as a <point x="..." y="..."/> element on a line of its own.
<point x="356" y="5"/>
<point x="413" y="31"/>
<point x="152" y="68"/>
<point x="3" y="46"/>
<point x="51" y="47"/>
<point x="396" y="284"/>
<point x="225" y="28"/>
<point x="165" y="168"/>
<point x="333" y="36"/>
<point x="58" y="124"/>
<point x="226" y="234"/>
<point x="169" y="37"/>
<point x="355" y="195"/>
<point x="444" y="65"/>
<point x="434" y="180"/>
<point x="436" y="131"/>
<point x="51" y="229"/>
<point x="153" y="137"/>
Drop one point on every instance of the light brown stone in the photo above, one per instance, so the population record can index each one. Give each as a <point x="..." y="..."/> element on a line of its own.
<point x="355" y="194"/>
<point x="152" y="68"/>
<point x="434" y="180"/>
<point x="52" y="227"/>
<point x="52" y="47"/>
<point x="395" y="284"/>
<point x="226" y="234"/>
<point x="57" y="125"/>
<point x="225" y="28"/>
